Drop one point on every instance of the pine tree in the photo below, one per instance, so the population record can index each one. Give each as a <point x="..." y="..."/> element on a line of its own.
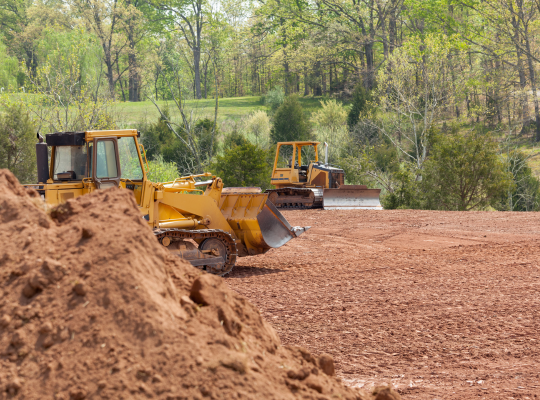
<point x="290" y="122"/>
<point x="361" y="97"/>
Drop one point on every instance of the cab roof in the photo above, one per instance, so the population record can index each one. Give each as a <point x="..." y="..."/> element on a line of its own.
<point x="79" y="138"/>
<point x="305" y="143"/>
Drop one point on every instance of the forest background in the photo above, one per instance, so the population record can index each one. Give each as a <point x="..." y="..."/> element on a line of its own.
<point x="435" y="102"/>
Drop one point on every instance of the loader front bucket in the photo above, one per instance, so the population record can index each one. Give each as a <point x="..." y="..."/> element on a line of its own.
<point x="257" y="222"/>
<point x="350" y="197"/>
<point x="275" y="229"/>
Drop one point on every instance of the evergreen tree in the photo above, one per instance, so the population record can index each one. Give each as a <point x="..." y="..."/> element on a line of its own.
<point x="359" y="105"/>
<point x="242" y="163"/>
<point x="290" y="122"/>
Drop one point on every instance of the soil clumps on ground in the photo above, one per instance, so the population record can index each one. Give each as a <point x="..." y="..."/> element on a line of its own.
<point x="92" y="307"/>
<point x="441" y="304"/>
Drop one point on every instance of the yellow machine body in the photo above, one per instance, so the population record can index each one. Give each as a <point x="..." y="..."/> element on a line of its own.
<point x="315" y="184"/>
<point x="183" y="204"/>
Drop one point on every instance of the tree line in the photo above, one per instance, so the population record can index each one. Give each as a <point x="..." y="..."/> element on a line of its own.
<point x="200" y="48"/>
<point x="401" y="83"/>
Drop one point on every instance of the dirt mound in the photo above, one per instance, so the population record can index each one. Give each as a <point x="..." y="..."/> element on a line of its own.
<point x="91" y="306"/>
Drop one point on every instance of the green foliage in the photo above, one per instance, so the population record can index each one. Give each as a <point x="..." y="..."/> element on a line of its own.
<point x="159" y="141"/>
<point x="330" y="127"/>
<point x="157" y="137"/>
<point x="525" y="193"/>
<point x="360" y="105"/>
<point x="274" y="98"/>
<point x="290" y="123"/>
<point x="17" y="143"/>
<point x="415" y="89"/>
<point x="9" y="69"/>
<point x="63" y="94"/>
<point x="161" y="171"/>
<point x="242" y="163"/>
<point x="464" y="172"/>
<point x="405" y="193"/>
<point x="256" y="127"/>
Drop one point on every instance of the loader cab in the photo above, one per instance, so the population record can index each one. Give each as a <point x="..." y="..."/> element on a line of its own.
<point x="81" y="162"/>
<point x="293" y="163"/>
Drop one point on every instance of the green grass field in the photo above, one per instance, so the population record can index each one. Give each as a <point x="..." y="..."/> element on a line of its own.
<point x="131" y="114"/>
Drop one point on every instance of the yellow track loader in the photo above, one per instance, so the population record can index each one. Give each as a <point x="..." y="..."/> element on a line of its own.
<point x="315" y="185"/>
<point x="195" y="219"/>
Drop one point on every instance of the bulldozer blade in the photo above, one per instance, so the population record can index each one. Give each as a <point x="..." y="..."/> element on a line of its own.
<point x="351" y="199"/>
<point x="275" y="229"/>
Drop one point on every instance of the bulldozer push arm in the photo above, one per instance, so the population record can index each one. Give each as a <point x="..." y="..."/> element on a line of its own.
<point x="195" y="219"/>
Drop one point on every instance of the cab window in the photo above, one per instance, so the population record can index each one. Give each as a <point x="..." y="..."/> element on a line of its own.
<point x="130" y="164"/>
<point x="69" y="162"/>
<point x="106" y="166"/>
<point x="285" y="156"/>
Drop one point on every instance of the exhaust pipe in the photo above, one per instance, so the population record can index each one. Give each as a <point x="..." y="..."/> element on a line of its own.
<point x="326" y="154"/>
<point x="42" y="159"/>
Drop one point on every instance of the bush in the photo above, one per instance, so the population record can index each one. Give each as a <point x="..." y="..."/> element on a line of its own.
<point x="257" y="128"/>
<point x="464" y="172"/>
<point x="274" y="98"/>
<point x="156" y="137"/>
<point x="159" y="140"/>
<point x="242" y="163"/>
<point x="405" y="194"/>
<point x="330" y="126"/>
<point x="17" y="144"/>
<point x="525" y="194"/>
<point x="290" y="122"/>
<point x="161" y="171"/>
<point x="360" y="105"/>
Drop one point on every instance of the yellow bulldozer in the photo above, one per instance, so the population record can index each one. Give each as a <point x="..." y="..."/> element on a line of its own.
<point x="198" y="220"/>
<point x="314" y="184"/>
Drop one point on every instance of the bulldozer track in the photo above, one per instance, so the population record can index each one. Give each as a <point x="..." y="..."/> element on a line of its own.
<point x="202" y="234"/>
<point x="293" y="206"/>
<point x="293" y="194"/>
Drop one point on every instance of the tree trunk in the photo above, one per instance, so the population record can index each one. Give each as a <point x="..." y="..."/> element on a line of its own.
<point x="369" y="78"/>
<point x="121" y="84"/>
<point x="306" y="84"/>
<point x="287" y="76"/>
<point x="392" y="31"/>
<point x="110" y="73"/>
<point x="197" y="71"/>
<point x="330" y="79"/>
<point x="134" y="86"/>
<point x="317" y="91"/>
<point x="206" y="78"/>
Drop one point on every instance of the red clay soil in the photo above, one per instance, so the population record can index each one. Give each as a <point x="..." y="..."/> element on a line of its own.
<point x="444" y="305"/>
<point x="92" y="307"/>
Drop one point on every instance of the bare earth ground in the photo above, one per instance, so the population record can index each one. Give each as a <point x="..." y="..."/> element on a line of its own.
<point x="444" y="305"/>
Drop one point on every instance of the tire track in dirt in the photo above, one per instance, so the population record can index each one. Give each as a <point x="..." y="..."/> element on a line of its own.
<point x="441" y="304"/>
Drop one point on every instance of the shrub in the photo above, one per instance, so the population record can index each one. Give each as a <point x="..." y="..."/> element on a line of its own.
<point x="161" y="171"/>
<point x="257" y="128"/>
<point x="330" y="127"/>
<point x="290" y="122"/>
<point x="242" y="163"/>
<point x="525" y="193"/>
<point x="17" y="143"/>
<point x="464" y="172"/>
<point x="360" y="105"/>
<point x="274" y="98"/>
<point x="159" y="140"/>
